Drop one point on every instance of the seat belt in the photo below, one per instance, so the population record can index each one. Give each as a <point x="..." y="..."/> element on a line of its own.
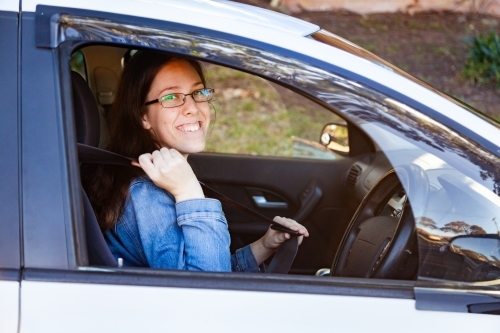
<point x="283" y="258"/>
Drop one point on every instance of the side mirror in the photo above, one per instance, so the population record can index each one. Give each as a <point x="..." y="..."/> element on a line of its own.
<point x="485" y="248"/>
<point x="335" y="136"/>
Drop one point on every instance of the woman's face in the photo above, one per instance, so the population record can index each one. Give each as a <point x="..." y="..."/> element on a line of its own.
<point x="184" y="127"/>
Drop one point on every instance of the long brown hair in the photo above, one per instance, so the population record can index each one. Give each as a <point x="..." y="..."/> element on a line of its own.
<point x="106" y="185"/>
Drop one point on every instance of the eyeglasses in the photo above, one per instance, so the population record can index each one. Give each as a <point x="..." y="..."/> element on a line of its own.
<point x="178" y="99"/>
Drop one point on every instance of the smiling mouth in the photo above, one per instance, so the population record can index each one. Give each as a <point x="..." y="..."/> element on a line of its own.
<point x="191" y="127"/>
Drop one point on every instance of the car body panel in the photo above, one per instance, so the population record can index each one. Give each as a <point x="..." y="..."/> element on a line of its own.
<point x="9" y="135"/>
<point x="10" y="5"/>
<point x="43" y="158"/>
<point x="195" y="310"/>
<point x="9" y="306"/>
<point x="217" y="15"/>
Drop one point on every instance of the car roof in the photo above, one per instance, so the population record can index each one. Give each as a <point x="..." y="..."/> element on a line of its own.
<point x="209" y="14"/>
<point x="9" y="5"/>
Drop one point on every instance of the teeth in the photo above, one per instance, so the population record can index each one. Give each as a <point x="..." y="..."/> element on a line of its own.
<point x="189" y="127"/>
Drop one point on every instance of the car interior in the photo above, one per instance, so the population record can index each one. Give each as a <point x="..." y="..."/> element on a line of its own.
<point x="292" y="163"/>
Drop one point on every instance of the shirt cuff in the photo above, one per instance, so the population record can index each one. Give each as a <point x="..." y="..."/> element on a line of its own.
<point x="198" y="208"/>
<point x="244" y="261"/>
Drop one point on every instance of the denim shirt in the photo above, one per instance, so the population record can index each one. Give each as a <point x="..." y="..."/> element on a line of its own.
<point x="155" y="231"/>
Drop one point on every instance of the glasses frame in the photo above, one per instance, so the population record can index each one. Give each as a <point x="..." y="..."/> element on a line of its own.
<point x="158" y="100"/>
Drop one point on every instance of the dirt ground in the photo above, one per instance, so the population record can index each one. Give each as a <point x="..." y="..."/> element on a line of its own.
<point x="428" y="45"/>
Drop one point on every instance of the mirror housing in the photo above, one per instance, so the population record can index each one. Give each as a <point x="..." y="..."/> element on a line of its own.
<point x="335" y="137"/>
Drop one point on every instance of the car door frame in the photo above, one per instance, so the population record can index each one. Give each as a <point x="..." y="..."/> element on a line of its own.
<point x="10" y="214"/>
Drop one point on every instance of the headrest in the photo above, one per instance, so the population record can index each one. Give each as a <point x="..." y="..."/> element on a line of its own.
<point x="87" y="119"/>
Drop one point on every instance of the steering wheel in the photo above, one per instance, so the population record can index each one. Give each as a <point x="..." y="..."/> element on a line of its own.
<point x="380" y="237"/>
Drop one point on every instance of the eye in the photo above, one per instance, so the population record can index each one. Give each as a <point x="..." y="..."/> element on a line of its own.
<point x="169" y="97"/>
<point x="200" y="92"/>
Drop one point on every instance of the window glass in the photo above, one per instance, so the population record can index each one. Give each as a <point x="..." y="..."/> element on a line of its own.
<point x="256" y="117"/>
<point x="457" y="208"/>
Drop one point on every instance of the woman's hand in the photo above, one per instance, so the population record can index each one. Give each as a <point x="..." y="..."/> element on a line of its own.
<point x="169" y="170"/>
<point x="272" y="240"/>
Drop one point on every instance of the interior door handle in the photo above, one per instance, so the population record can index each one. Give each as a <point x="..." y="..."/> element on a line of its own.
<point x="262" y="202"/>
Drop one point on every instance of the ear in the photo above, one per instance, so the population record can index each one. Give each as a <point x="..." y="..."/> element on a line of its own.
<point x="145" y="122"/>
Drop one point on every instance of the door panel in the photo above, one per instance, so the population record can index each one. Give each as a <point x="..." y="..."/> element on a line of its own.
<point x="87" y="307"/>
<point x="312" y="191"/>
<point x="9" y="306"/>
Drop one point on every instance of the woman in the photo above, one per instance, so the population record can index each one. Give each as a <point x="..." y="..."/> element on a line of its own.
<point x="162" y="219"/>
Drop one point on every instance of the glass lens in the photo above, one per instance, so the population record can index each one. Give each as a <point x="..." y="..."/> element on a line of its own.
<point x="177" y="99"/>
<point x="203" y="95"/>
<point x="172" y="100"/>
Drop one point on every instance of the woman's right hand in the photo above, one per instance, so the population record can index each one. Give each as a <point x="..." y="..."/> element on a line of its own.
<point x="268" y="244"/>
<point x="169" y="170"/>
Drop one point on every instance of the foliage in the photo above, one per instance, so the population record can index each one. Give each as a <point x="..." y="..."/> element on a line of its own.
<point x="256" y="117"/>
<point x="77" y="64"/>
<point x="483" y="62"/>
<point x="475" y="6"/>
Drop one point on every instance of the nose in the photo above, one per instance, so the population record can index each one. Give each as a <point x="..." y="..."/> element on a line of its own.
<point x="189" y="106"/>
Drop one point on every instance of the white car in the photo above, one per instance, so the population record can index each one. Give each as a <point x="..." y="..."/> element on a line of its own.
<point x="397" y="183"/>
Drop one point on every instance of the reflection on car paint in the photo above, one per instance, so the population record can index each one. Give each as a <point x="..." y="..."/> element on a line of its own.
<point x="459" y="209"/>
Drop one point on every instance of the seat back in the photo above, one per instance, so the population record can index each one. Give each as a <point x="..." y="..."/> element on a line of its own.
<point x="88" y="125"/>
<point x="88" y="132"/>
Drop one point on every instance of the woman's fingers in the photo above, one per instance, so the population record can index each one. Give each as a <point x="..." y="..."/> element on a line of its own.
<point x="174" y="153"/>
<point x="273" y="239"/>
<point x="294" y="225"/>
<point x="162" y="160"/>
<point x="158" y="160"/>
<point x="169" y="170"/>
<point x="145" y="161"/>
<point x="291" y="224"/>
<point x="166" y="155"/>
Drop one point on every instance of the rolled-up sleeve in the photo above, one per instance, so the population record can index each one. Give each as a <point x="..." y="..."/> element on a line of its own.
<point x="244" y="261"/>
<point x="206" y="238"/>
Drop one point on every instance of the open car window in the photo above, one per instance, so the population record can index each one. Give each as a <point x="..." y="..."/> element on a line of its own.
<point x="257" y="117"/>
<point x="455" y="204"/>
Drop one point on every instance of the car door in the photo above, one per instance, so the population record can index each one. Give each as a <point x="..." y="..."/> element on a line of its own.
<point x="57" y="278"/>
<point x="10" y="251"/>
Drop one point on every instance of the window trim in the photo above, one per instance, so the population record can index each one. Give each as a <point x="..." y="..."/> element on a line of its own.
<point x="229" y="281"/>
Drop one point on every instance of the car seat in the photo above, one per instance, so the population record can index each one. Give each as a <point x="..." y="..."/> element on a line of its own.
<point x="87" y="121"/>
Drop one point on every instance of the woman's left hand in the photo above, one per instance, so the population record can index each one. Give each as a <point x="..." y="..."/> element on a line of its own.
<point x="272" y="240"/>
